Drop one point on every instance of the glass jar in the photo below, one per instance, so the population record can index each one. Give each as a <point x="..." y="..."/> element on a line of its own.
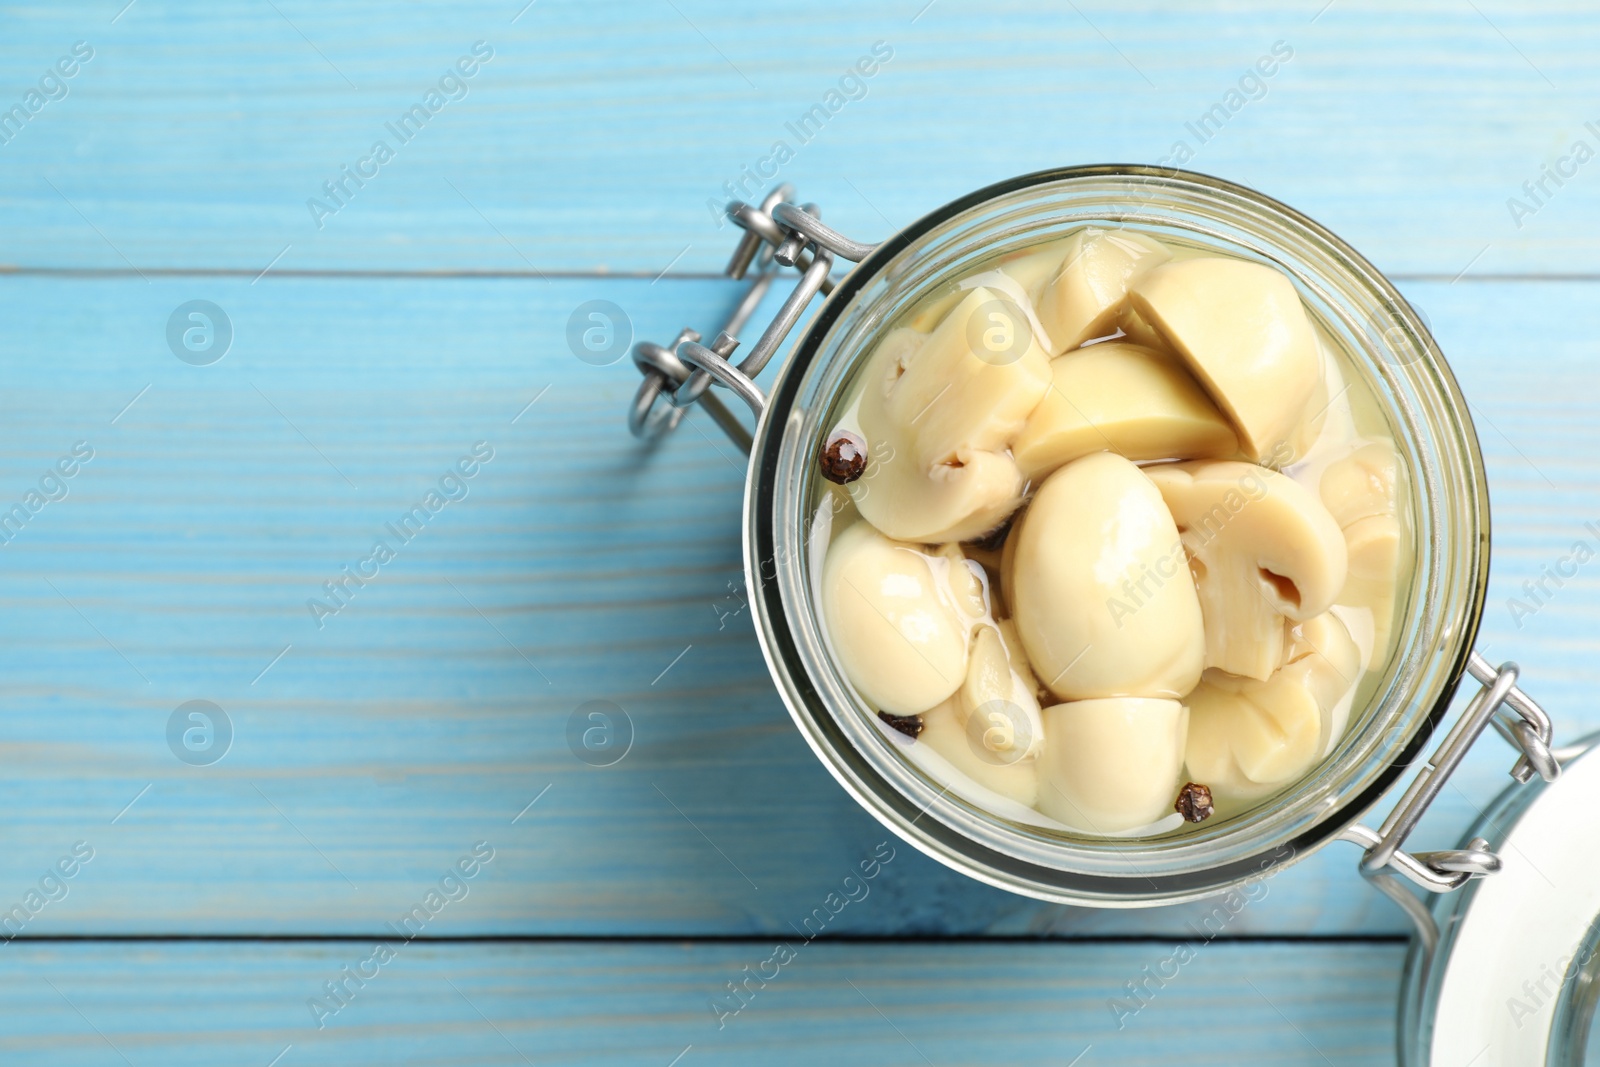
<point x="1389" y="348"/>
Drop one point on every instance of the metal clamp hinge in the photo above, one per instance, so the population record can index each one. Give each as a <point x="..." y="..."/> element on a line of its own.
<point x="1516" y="718"/>
<point x="777" y="234"/>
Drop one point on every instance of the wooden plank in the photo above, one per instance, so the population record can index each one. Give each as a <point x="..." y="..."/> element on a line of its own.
<point x="596" y="136"/>
<point x="594" y="1004"/>
<point x="430" y="711"/>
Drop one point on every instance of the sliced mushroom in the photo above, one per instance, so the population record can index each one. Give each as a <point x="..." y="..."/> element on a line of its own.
<point x="1244" y="333"/>
<point x="1082" y="300"/>
<point x="1374" y="547"/>
<point x="945" y="731"/>
<point x="1021" y="275"/>
<point x="1362" y="484"/>
<point x="966" y="581"/>
<point x="893" y="623"/>
<point x="1097" y="584"/>
<point x="1019" y="656"/>
<point x="1375" y="556"/>
<point x="929" y="313"/>
<point x="1136" y="331"/>
<point x="1035" y="267"/>
<point x="1112" y="765"/>
<point x="1247" y="737"/>
<point x="1262" y="548"/>
<point x="1361" y="491"/>
<point x="1001" y="699"/>
<point x="939" y="411"/>
<point x="1126" y="399"/>
<point x="1328" y="403"/>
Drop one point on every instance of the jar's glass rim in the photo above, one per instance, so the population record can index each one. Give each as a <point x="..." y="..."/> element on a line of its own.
<point x="950" y="835"/>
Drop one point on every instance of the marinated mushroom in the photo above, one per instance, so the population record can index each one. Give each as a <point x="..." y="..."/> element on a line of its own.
<point x="965" y="580"/>
<point x="1103" y="602"/>
<point x="1247" y="737"/>
<point x="1262" y="549"/>
<point x="1360" y="492"/>
<point x="1019" y="276"/>
<point x="1001" y="697"/>
<point x="947" y="733"/>
<point x="1125" y="398"/>
<point x="939" y="412"/>
<point x="1197" y="614"/>
<point x="1035" y="268"/>
<point x="893" y="622"/>
<point x="1362" y="484"/>
<point x="1136" y="331"/>
<point x="1112" y="765"/>
<point x="1082" y="300"/>
<point x="1244" y="334"/>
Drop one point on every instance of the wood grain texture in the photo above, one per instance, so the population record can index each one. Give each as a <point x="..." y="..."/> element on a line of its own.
<point x="371" y="753"/>
<point x="592" y="1005"/>
<point x="427" y="713"/>
<point x="597" y="134"/>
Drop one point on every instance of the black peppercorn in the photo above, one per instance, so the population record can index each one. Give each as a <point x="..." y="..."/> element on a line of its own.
<point x="910" y="725"/>
<point x="844" y="457"/>
<point x="1194" y="802"/>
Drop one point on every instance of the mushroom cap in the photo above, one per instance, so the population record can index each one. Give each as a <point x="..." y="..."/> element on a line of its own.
<point x="1128" y="399"/>
<point x="1098" y="586"/>
<point x="1244" y="333"/>
<point x="1111" y="765"/>
<point x="1262" y="548"/>
<point x="893" y="622"/>
<point x="1000" y="693"/>
<point x="1082" y="300"/>
<point x="1362" y="484"/>
<point x="955" y="501"/>
<point x="1362" y="492"/>
<point x="946" y="732"/>
<point x="939" y="411"/>
<point x="1247" y="737"/>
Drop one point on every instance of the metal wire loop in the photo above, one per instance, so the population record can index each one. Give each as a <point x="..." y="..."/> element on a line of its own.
<point x="758" y="222"/>
<point x="663" y="361"/>
<point x="776" y="234"/>
<point x="715" y="365"/>
<point x="1533" y="736"/>
<point x="806" y="222"/>
<point x="1529" y="731"/>
<point x="1406" y="864"/>
<point x="795" y="242"/>
<point x="702" y="376"/>
<point x="1536" y="750"/>
<point x="754" y="221"/>
<point x="647" y="421"/>
<point x="1476" y="859"/>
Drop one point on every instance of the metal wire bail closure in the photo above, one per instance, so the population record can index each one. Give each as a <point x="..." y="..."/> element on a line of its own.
<point x="777" y="234"/>
<point x="1522" y="723"/>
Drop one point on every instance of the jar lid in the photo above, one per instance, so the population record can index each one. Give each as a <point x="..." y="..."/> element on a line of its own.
<point x="1513" y="976"/>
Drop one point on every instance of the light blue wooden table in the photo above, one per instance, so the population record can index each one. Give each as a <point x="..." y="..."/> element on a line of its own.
<point x="374" y="346"/>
